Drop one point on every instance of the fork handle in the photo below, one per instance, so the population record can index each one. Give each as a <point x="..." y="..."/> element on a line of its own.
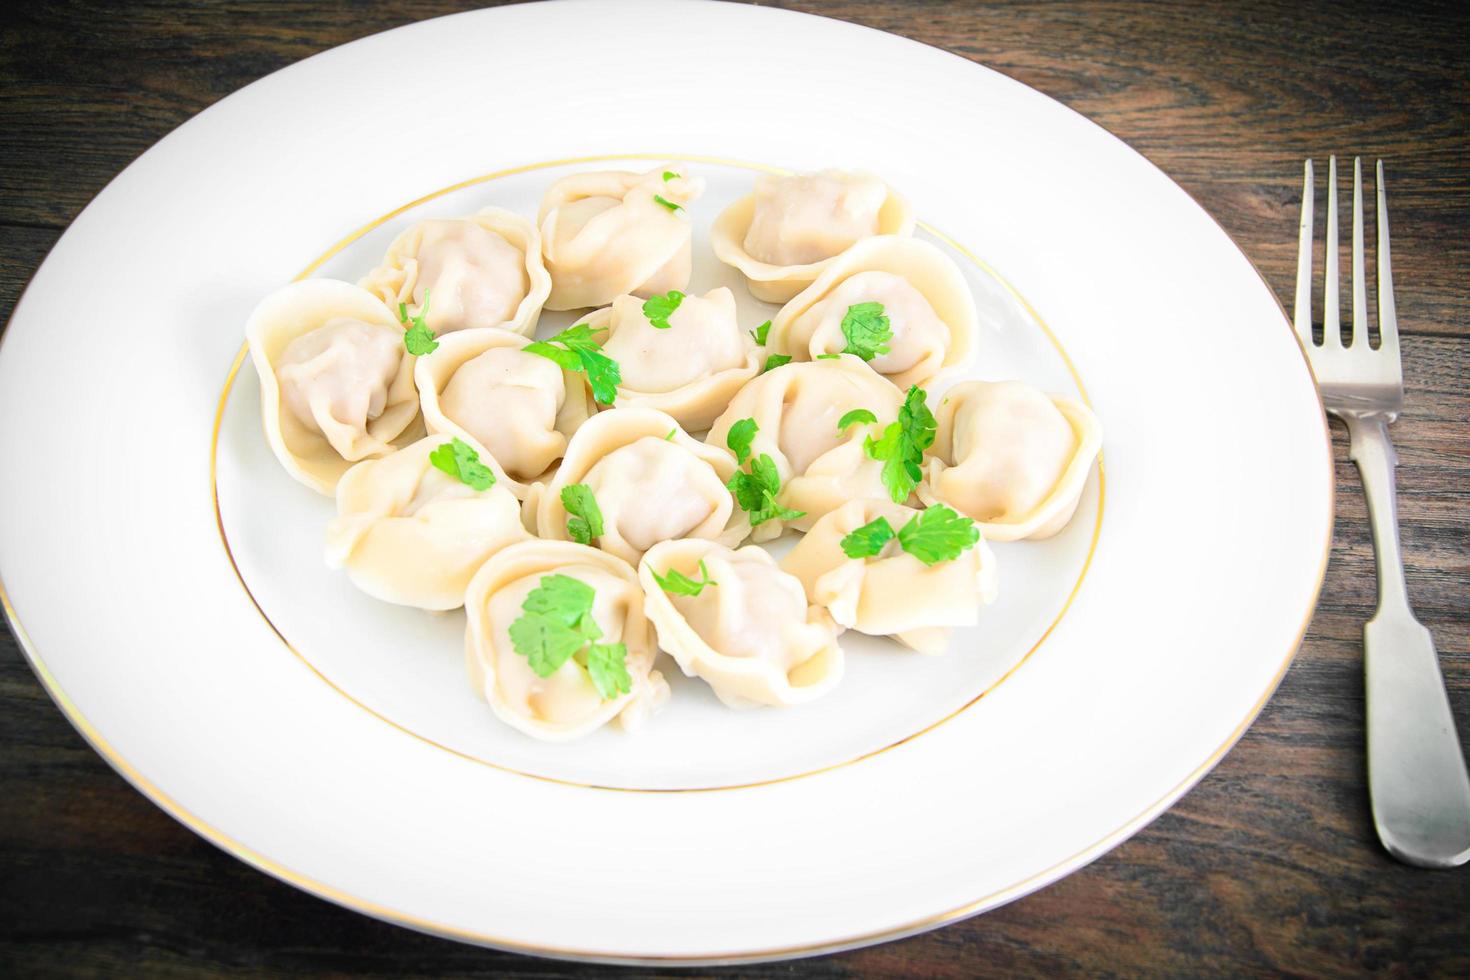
<point x="1417" y="779"/>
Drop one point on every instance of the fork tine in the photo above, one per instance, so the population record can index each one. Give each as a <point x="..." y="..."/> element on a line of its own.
<point x="1388" y="321"/>
<point x="1331" y="326"/>
<point x="1303" y="316"/>
<point x="1360" y="273"/>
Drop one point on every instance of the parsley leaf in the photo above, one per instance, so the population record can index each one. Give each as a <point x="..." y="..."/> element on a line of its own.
<point x="756" y="492"/>
<point x="867" y="331"/>
<point x="761" y="332"/>
<point x="670" y="436"/>
<point x="585" y="522"/>
<point x="678" y="583"/>
<point x="456" y="458"/>
<point x="658" y="309"/>
<point x="902" y="444"/>
<point x="579" y="352"/>
<point x="556" y="624"/>
<point x="659" y="198"/>
<point x="607" y="665"/>
<point x="669" y="175"/>
<point x="868" y="540"/>
<point x="937" y="534"/>
<point x="855" y="416"/>
<point x="829" y="357"/>
<point x="417" y="336"/>
<point x="739" y="438"/>
<point x="775" y="361"/>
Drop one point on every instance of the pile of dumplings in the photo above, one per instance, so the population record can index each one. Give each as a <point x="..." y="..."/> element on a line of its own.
<point x="589" y="498"/>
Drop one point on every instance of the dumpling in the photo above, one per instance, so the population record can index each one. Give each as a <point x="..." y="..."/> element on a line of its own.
<point x="907" y="291"/>
<point x="782" y="236"/>
<point x="521" y="408"/>
<point x="748" y="632"/>
<point x="796" y="408"/>
<point x="689" y="369"/>
<point x="892" y="593"/>
<point x="613" y="232"/>
<point x="1013" y="458"/>
<point x="336" y="383"/>
<point x="569" y="692"/>
<point x="651" y="483"/>
<point x="481" y="271"/>
<point x="408" y="532"/>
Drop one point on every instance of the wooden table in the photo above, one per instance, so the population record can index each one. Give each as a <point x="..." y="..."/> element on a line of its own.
<point x="1270" y="865"/>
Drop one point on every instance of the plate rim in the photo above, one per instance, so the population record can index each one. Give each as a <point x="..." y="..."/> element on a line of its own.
<point x="1079" y="859"/>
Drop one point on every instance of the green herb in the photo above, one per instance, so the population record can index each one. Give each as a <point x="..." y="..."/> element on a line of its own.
<point x="869" y="539"/>
<point x="938" y="534"/>
<point x="556" y="624"/>
<point x="854" y="416"/>
<point x="658" y="309"/>
<point x="867" y="331"/>
<point x="829" y="357"/>
<point x="669" y="175"/>
<point x="756" y="492"/>
<point x="585" y="520"/>
<point x="902" y="444"/>
<point x="418" y="338"/>
<point x="670" y="436"/>
<point x="667" y="203"/>
<point x="775" y="361"/>
<point x="739" y="438"/>
<point x="456" y="458"/>
<point x="761" y="332"/>
<point x="579" y="352"/>
<point x="678" y="583"/>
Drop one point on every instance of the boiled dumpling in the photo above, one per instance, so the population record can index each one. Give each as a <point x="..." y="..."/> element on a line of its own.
<point x="336" y="383"/>
<point x="900" y="303"/>
<point x="891" y="593"/>
<point x="522" y="408"/>
<point x="797" y="408"/>
<point x="482" y="271"/>
<point x="568" y="692"/>
<point x="613" y="232"/>
<point x="408" y="532"/>
<point x="651" y="482"/>
<point x="691" y="367"/>
<point x="783" y="235"/>
<point x="1013" y="458"/>
<point x="748" y="631"/>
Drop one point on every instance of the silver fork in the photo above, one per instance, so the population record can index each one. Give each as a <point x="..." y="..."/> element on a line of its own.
<point x="1416" y="772"/>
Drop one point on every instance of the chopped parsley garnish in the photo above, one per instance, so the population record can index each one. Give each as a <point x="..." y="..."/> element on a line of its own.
<point x="869" y="539"/>
<point x="678" y="583"/>
<point x="938" y="534"/>
<point x="669" y="175"/>
<point x="584" y="520"/>
<point x="739" y="438"/>
<point x="775" y="361"/>
<point x="417" y="336"/>
<point x="901" y="447"/>
<point x="460" y="461"/>
<point x="761" y="332"/>
<point x="829" y="357"/>
<point x="866" y="328"/>
<point x="855" y="416"/>
<point x="659" y="198"/>
<point x="670" y="436"/>
<point x="574" y="350"/>
<point x="658" y="309"/>
<point x="756" y="492"/>
<point x="556" y="624"/>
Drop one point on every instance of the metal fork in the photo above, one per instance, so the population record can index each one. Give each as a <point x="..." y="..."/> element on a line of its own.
<point x="1416" y="773"/>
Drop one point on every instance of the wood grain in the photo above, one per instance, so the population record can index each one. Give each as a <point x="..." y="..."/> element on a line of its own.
<point x="1270" y="866"/>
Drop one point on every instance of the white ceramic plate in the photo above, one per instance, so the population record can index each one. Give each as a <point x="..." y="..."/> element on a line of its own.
<point x="165" y="575"/>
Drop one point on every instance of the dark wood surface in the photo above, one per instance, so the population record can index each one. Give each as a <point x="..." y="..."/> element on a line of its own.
<point x="1269" y="866"/>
